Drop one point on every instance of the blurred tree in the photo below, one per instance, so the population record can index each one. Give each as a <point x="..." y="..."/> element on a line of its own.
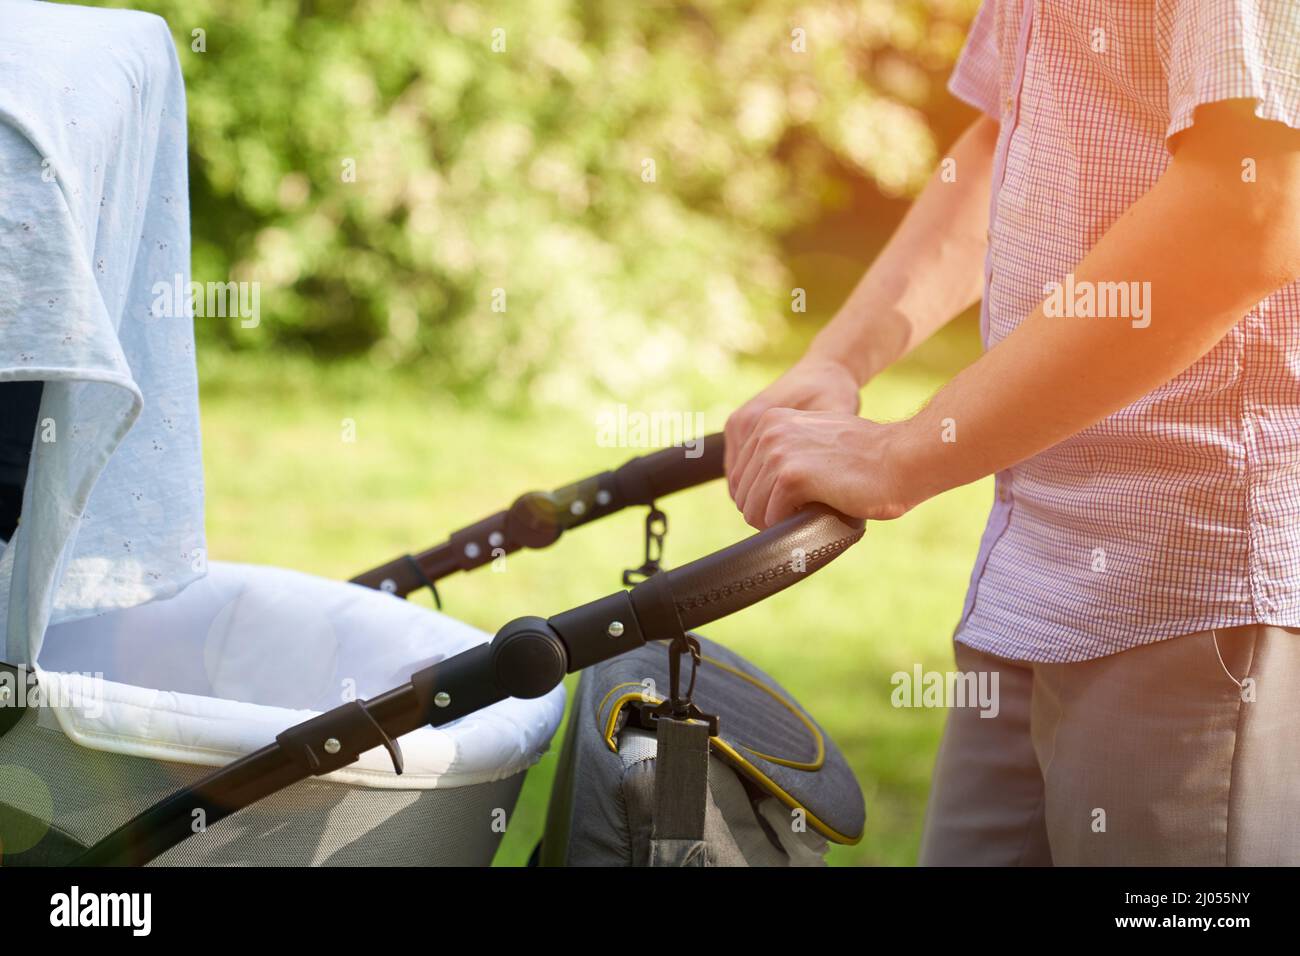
<point x="556" y="196"/>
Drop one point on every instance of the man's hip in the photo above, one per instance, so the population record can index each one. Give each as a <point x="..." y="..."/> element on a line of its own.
<point x="1182" y="752"/>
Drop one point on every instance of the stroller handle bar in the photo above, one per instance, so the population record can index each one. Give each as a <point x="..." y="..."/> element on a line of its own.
<point x="529" y="656"/>
<point x="704" y="590"/>
<point x="710" y="588"/>
<point x="537" y="519"/>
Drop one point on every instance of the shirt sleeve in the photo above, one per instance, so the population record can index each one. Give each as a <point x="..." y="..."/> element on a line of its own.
<point x="1234" y="49"/>
<point x="975" y="78"/>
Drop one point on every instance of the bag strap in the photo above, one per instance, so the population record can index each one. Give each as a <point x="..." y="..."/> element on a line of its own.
<point x="681" y="792"/>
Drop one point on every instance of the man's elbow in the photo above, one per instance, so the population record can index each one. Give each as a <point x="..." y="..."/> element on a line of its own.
<point x="1262" y="236"/>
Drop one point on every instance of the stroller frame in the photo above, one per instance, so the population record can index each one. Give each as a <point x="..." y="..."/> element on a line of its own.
<point x="529" y="656"/>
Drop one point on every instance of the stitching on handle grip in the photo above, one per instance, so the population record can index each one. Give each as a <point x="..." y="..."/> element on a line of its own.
<point x="755" y="580"/>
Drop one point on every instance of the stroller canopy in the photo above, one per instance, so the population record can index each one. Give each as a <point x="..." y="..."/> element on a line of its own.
<point x="93" y="215"/>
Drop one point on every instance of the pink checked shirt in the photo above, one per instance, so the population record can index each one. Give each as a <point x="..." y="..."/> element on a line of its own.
<point x="1180" y="512"/>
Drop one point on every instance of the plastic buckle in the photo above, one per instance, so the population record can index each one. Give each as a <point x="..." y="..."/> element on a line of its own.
<point x="656" y="529"/>
<point x="337" y="738"/>
<point x="680" y="706"/>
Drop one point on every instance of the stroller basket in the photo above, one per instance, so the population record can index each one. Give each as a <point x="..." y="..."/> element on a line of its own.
<point x="526" y="660"/>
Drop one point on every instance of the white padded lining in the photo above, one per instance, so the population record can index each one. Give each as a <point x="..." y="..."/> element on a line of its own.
<point x="247" y="651"/>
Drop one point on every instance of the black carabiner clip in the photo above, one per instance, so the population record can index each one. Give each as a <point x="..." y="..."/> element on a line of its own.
<point x="678" y="705"/>
<point x="656" y="528"/>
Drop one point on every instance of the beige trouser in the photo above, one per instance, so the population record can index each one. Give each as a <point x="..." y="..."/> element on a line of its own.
<point x="1155" y="756"/>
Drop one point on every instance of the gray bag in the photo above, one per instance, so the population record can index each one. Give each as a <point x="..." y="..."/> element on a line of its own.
<point x="769" y="790"/>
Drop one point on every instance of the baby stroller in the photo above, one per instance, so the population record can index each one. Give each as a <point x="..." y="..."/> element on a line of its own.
<point x="678" y="752"/>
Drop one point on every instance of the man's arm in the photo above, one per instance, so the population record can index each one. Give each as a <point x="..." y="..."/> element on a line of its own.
<point x="930" y="270"/>
<point x="1210" y="245"/>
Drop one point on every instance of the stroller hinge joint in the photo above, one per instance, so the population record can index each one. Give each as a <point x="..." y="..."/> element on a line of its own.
<point x="336" y="739"/>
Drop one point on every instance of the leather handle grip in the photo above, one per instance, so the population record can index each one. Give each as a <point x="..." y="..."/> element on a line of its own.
<point x="761" y="565"/>
<point x="750" y="570"/>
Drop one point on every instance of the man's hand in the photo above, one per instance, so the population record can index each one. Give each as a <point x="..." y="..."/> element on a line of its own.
<point x="812" y="384"/>
<point x="792" y="458"/>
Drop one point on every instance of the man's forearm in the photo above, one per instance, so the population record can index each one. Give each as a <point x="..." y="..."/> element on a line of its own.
<point x="930" y="270"/>
<point x="1209" y="245"/>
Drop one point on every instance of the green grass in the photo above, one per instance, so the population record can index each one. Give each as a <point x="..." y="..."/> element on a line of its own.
<point x="284" y="488"/>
